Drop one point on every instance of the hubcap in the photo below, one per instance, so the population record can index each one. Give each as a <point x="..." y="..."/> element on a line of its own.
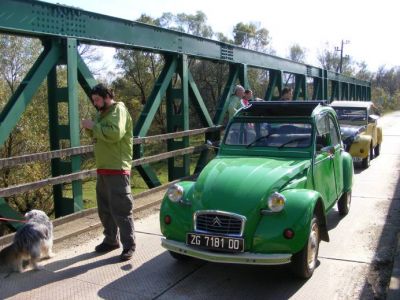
<point x="312" y="247"/>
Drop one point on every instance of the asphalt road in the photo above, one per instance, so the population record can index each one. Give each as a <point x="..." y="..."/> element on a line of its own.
<point x="355" y="264"/>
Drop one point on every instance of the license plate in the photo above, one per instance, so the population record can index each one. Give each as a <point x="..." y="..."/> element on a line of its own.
<point x="215" y="242"/>
<point x="357" y="159"/>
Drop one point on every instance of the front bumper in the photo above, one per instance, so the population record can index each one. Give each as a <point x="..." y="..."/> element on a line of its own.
<point x="246" y="258"/>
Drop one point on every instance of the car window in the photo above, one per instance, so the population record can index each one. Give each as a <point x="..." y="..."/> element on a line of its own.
<point x="269" y="134"/>
<point x="322" y="125"/>
<point x="351" y="114"/>
<point x="334" y="134"/>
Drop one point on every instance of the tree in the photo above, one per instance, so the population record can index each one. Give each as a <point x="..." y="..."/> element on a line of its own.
<point x="17" y="55"/>
<point x="31" y="134"/>
<point x="222" y="38"/>
<point x="194" y="24"/>
<point x="141" y="68"/>
<point x="91" y="56"/>
<point x="330" y="60"/>
<point x="296" y="53"/>
<point x="251" y="36"/>
<point x="362" y="71"/>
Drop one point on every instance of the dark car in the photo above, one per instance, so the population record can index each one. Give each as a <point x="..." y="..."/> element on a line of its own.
<point x="361" y="134"/>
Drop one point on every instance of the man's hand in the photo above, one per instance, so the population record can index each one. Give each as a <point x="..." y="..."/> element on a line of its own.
<point x="88" y="124"/>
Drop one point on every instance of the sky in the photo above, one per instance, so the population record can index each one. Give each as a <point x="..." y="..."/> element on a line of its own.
<point x="370" y="26"/>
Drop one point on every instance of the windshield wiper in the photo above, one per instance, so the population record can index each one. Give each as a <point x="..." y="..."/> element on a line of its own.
<point x="258" y="139"/>
<point x="293" y="140"/>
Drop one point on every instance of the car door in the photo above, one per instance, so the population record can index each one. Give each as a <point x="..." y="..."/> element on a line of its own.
<point x="324" y="166"/>
<point x="335" y="141"/>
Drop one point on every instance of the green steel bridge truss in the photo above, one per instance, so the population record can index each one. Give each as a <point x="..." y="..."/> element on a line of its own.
<point x="61" y="28"/>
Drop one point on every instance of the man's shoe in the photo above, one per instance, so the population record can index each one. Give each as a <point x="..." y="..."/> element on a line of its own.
<point x="103" y="247"/>
<point x="127" y="254"/>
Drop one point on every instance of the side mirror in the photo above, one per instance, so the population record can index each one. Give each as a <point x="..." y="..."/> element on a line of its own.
<point x="330" y="150"/>
<point x="212" y="145"/>
<point x="372" y="118"/>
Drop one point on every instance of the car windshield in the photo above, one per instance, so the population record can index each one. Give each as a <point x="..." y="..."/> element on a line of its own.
<point x="266" y="134"/>
<point x="351" y="115"/>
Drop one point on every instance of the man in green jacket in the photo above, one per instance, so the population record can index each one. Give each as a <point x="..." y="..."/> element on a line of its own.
<point x="112" y="132"/>
<point x="234" y="102"/>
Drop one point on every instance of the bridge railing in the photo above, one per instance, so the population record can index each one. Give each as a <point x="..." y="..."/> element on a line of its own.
<point x="46" y="156"/>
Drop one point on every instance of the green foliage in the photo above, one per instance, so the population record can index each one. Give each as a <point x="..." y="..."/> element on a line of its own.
<point x="258" y="81"/>
<point x="329" y="59"/>
<point x="297" y="53"/>
<point x="210" y="78"/>
<point x="192" y="24"/>
<point x="30" y="135"/>
<point x="251" y="36"/>
<point x="386" y="93"/>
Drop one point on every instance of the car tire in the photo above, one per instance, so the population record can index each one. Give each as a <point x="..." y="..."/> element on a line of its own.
<point x="377" y="150"/>
<point x="366" y="161"/>
<point x="178" y="256"/>
<point x="304" y="262"/>
<point x="344" y="203"/>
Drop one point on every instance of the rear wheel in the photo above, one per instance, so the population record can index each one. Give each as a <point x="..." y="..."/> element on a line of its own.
<point x="344" y="203"/>
<point x="377" y="150"/>
<point x="305" y="261"/>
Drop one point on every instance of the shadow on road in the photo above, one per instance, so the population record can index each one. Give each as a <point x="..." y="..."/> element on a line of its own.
<point x="30" y="280"/>
<point x="163" y="278"/>
<point x="376" y="284"/>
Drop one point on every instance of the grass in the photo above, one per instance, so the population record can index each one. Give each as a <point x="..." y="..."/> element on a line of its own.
<point x="137" y="183"/>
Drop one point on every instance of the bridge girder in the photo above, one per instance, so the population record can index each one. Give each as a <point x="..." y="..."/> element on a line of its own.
<point x="62" y="27"/>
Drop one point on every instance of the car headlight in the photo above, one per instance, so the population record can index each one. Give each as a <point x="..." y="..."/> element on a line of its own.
<point x="175" y="193"/>
<point x="276" y="202"/>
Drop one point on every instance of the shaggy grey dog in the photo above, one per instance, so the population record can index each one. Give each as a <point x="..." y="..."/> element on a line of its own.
<point x="32" y="241"/>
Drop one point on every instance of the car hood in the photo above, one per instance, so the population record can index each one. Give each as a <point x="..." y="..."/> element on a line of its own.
<point x="348" y="132"/>
<point x="243" y="184"/>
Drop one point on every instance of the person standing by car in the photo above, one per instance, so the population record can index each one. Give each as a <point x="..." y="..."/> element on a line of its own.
<point x="287" y="94"/>
<point x="112" y="131"/>
<point x="235" y="100"/>
<point x="248" y="96"/>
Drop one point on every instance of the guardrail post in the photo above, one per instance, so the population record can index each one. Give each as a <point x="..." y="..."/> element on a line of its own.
<point x="275" y="82"/>
<point x="300" y="89"/>
<point x="64" y="126"/>
<point x="178" y="120"/>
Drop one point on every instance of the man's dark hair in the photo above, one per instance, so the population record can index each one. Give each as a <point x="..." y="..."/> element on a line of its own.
<point x="101" y="90"/>
<point x="286" y="90"/>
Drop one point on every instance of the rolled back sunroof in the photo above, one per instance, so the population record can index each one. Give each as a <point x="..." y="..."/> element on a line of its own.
<point x="280" y="108"/>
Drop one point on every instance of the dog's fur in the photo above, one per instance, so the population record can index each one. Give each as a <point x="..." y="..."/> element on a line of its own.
<point x="34" y="240"/>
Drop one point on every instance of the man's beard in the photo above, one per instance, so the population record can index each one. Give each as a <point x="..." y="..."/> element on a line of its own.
<point x="102" y="108"/>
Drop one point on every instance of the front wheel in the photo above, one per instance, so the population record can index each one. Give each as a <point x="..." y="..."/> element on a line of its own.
<point x="366" y="161"/>
<point x="344" y="203"/>
<point x="305" y="261"/>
